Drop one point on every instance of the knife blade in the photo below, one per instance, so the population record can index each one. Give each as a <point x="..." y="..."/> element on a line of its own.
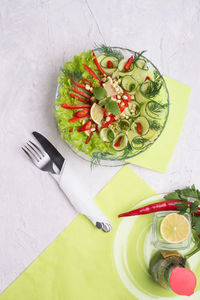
<point x="53" y="153"/>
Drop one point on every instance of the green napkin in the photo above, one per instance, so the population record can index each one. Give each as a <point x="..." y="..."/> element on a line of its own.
<point x="80" y="265"/>
<point x="158" y="156"/>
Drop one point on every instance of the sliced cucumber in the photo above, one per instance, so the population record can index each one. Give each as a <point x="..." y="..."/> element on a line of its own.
<point x="150" y="134"/>
<point x="123" y="143"/>
<point x="124" y="125"/>
<point x="133" y="109"/>
<point x="141" y="64"/>
<point x="140" y="93"/>
<point x="155" y="110"/>
<point x="105" y="60"/>
<point x="129" y="84"/>
<point x="107" y="134"/>
<point x="100" y="58"/>
<point x="140" y="70"/>
<point x="121" y="68"/>
<point x="131" y="134"/>
<point x="138" y="142"/>
<point x="109" y="71"/>
<point x="144" y="123"/>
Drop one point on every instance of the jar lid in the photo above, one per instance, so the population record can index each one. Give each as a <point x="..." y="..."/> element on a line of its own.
<point x="182" y="281"/>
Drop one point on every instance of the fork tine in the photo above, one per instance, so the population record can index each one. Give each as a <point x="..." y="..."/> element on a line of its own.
<point x="32" y="154"/>
<point x="27" y="153"/>
<point x="39" y="149"/>
<point x="35" y="151"/>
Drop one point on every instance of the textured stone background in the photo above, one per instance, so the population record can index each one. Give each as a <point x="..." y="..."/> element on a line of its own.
<point x="37" y="36"/>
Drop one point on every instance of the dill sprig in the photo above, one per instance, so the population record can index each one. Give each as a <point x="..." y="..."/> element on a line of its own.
<point x="154" y="125"/>
<point x="137" y="56"/>
<point x="109" y="51"/>
<point x="156" y="107"/>
<point x="76" y="75"/>
<point x="154" y="85"/>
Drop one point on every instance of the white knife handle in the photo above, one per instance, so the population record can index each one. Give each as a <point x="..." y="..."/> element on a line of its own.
<point x="79" y="196"/>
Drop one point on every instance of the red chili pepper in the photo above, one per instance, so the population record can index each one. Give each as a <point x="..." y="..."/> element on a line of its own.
<point x="79" y="98"/>
<point x="86" y="81"/>
<point x="109" y="64"/>
<point x="122" y="107"/>
<point x="73" y="120"/>
<point x="118" y="142"/>
<point x="71" y="106"/>
<point x="128" y="64"/>
<point x="79" y="84"/>
<point x="89" y="137"/>
<point x="152" y="208"/>
<point x="104" y="112"/>
<point x="93" y="73"/>
<point x="71" y="129"/>
<point x="82" y="113"/>
<point x="80" y="92"/>
<point x="86" y="126"/>
<point x="147" y="78"/>
<point x="112" y="118"/>
<point x="139" y="128"/>
<point x="97" y="64"/>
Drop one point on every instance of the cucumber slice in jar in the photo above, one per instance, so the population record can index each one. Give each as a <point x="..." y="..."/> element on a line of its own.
<point x="120" y="142"/>
<point x="140" y="70"/>
<point x="129" y="84"/>
<point x="107" y="134"/>
<point x="106" y="59"/>
<point x="144" y="124"/>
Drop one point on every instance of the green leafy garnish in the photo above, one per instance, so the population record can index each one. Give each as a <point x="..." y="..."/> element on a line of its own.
<point x="154" y="125"/>
<point x="109" y="51"/>
<point x="111" y="106"/>
<point x="137" y="56"/>
<point x="156" y="107"/>
<point x="76" y="75"/>
<point x="155" y="85"/>
<point x="99" y="93"/>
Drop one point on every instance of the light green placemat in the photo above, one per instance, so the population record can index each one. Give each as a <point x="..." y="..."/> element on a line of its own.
<point x="79" y="264"/>
<point x="158" y="156"/>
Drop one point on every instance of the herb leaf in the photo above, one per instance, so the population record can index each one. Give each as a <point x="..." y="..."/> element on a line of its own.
<point x="112" y="107"/>
<point x="76" y="75"/>
<point x="99" y="93"/>
<point x="109" y="51"/>
<point x="154" y="125"/>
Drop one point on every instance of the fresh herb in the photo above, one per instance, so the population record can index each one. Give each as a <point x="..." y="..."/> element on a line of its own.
<point x="137" y="56"/>
<point x="110" y="134"/>
<point x="139" y="140"/>
<point x="154" y="125"/>
<point x="111" y="106"/>
<point x="156" y="107"/>
<point x="109" y="51"/>
<point x="99" y="93"/>
<point x="154" y="86"/>
<point x="190" y="204"/>
<point x="76" y="75"/>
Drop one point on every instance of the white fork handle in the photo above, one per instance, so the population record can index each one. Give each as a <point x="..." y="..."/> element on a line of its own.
<point x="79" y="196"/>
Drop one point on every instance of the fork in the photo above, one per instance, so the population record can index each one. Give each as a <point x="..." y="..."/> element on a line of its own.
<point x="39" y="157"/>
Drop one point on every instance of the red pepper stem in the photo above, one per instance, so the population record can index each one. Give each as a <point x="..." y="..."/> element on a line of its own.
<point x="152" y="208"/>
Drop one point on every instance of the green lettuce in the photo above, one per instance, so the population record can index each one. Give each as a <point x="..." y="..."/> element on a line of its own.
<point x="75" y="138"/>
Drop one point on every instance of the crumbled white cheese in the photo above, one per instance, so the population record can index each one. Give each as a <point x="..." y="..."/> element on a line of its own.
<point x="93" y="129"/>
<point x="107" y="119"/>
<point x="124" y="97"/>
<point x="87" y="87"/>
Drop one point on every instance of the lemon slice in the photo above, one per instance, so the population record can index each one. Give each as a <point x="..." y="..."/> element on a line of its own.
<point x="96" y="113"/>
<point x="175" y="228"/>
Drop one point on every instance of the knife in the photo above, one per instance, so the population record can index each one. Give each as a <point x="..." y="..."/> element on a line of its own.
<point x="68" y="181"/>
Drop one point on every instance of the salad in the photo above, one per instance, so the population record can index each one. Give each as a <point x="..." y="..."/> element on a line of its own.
<point x="110" y="107"/>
